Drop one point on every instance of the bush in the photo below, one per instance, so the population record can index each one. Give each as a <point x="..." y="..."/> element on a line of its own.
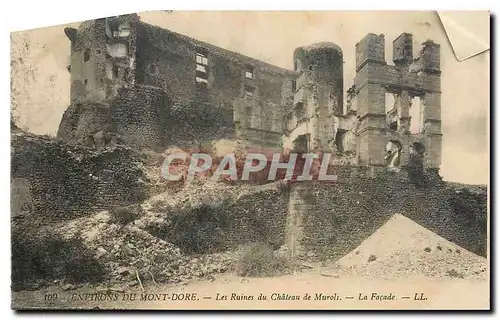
<point x="472" y="204"/>
<point x="258" y="260"/>
<point x="38" y="259"/>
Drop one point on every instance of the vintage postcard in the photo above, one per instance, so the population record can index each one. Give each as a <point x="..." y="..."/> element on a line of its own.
<point x="251" y="160"/>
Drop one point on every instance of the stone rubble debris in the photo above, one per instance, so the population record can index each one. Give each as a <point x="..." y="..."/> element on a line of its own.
<point x="129" y="252"/>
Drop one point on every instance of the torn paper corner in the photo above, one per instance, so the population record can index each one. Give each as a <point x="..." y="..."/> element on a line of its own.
<point x="467" y="31"/>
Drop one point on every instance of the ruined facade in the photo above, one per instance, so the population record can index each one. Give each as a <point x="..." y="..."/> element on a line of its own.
<point x="135" y="83"/>
<point x="384" y="96"/>
<point x="141" y="83"/>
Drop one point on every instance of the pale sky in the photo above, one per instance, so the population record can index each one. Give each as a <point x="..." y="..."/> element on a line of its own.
<point x="42" y="83"/>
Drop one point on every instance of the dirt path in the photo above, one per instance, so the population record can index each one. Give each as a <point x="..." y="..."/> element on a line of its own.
<point x="327" y="291"/>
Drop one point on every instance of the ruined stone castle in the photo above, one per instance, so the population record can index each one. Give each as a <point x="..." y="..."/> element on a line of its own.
<point x="142" y="85"/>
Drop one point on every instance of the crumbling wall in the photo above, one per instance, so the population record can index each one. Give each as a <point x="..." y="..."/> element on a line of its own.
<point x="66" y="182"/>
<point x="257" y="215"/>
<point x="136" y="117"/>
<point x="228" y="80"/>
<point x="82" y="120"/>
<point x="102" y="57"/>
<point x="145" y="117"/>
<point x="197" y="123"/>
<point x="140" y="115"/>
<point x="408" y="80"/>
<point x="345" y="213"/>
<point x="114" y="59"/>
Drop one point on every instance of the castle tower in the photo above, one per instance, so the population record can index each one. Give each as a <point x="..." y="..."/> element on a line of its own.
<point x="431" y="105"/>
<point x="318" y="94"/>
<point x="102" y="57"/>
<point x="370" y="99"/>
<point x="398" y="104"/>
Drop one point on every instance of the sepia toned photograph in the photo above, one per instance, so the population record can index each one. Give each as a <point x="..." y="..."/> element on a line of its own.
<point x="252" y="160"/>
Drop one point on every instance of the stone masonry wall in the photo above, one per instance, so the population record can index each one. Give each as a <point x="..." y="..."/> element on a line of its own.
<point x="344" y="214"/>
<point x="143" y="116"/>
<point x="321" y="221"/>
<point x="140" y="114"/>
<point x="246" y="87"/>
<point x="257" y="216"/>
<point x="136" y="115"/>
<point x="174" y="58"/>
<point x="104" y="66"/>
<point x="66" y="182"/>
<point x="408" y="79"/>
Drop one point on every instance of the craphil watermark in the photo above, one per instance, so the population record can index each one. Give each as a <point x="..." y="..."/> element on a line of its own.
<point x="298" y="167"/>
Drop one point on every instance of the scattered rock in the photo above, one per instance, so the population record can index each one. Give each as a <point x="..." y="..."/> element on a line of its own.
<point x="101" y="252"/>
<point x="454" y="274"/>
<point x="372" y="257"/>
<point x="332" y="275"/>
<point x="68" y="286"/>
<point x="427" y="249"/>
<point x="123" y="271"/>
<point x="133" y="283"/>
<point x="117" y="289"/>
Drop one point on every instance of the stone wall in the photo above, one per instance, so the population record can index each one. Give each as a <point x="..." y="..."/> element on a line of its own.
<point x="256" y="216"/>
<point x="143" y="116"/>
<point x="168" y="59"/>
<point x="408" y="80"/>
<point x="339" y="217"/>
<point x="137" y="116"/>
<point x="140" y="116"/>
<point x="198" y="123"/>
<point x="102" y="57"/>
<point x="83" y="119"/>
<point x="247" y="88"/>
<point x="321" y="221"/>
<point x="66" y="182"/>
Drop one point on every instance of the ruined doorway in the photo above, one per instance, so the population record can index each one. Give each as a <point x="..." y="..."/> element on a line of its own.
<point x="301" y="144"/>
<point x="339" y="140"/>
<point x="392" y="157"/>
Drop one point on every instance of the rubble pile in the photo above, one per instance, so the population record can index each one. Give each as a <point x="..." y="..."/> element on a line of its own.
<point x="132" y="256"/>
<point x="403" y="249"/>
<point x="195" y="195"/>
